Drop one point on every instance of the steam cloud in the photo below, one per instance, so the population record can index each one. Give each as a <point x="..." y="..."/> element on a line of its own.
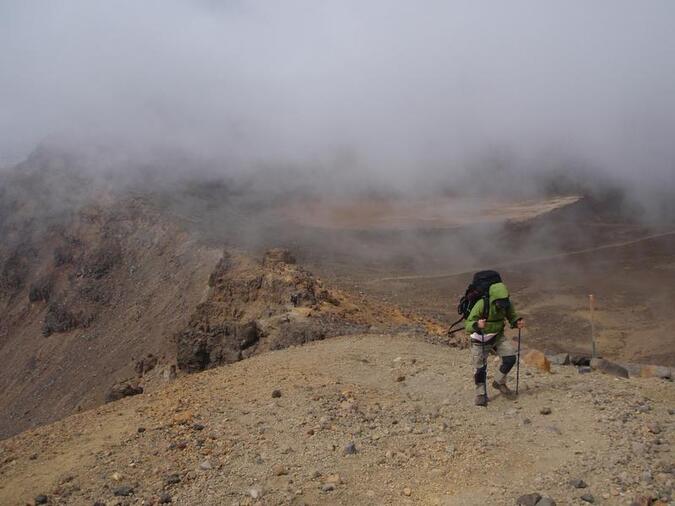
<point x="377" y="92"/>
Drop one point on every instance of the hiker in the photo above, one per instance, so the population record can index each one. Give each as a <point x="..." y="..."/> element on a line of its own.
<point x="486" y="330"/>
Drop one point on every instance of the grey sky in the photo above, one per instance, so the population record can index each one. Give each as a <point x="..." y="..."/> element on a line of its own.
<point x="394" y="90"/>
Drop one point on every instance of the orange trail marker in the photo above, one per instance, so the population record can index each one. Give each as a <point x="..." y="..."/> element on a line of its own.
<point x="591" y="303"/>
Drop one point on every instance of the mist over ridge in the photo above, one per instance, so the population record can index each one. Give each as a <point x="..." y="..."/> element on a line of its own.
<point x="347" y="95"/>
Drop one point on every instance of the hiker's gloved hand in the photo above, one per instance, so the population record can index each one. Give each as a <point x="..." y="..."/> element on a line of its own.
<point x="520" y="324"/>
<point x="481" y="323"/>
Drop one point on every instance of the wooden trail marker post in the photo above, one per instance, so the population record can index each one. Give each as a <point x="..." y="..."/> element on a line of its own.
<point x="591" y="304"/>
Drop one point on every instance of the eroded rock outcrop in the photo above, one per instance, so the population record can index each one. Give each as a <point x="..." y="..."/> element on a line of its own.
<point x="257" y="306"/>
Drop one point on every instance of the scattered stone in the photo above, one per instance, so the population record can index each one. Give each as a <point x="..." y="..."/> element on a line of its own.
<point x="276" y="394"/>
<point x="536" y="358"/>
<point x="41" y="499"/>
<point x="588" y="498"/>
<point x="350" y="449"/>
<point x="123" y="491"/>
<point x="607" y="367"/>
<point x="183" y="418"/>
<point x="642" y="500"/>
<point x="205" y="465"/>
<point x="400" y="378"/>
<point x="335" y="479"/>
<point x="554" y="429"/>
<point x="578" y="483"/>
<point x="181" y="445"/>
<point x="172" y="479"/>
<point x="198" y="426"/>
<point x="545" y="411"/>
<point x="584" y="369"/>
<point x="654" y="428"/>
<point x="279" y="470"/>
<point x="165" y="498"/>
<point x="255" y="492"/>
<point x="116" y="477"/>
<point x="407" y="491"/>
<point x="546" y="501"/>
<point x="140" y="430"/>
<point x="528" y="499"/>
<point x="327" y="487"/>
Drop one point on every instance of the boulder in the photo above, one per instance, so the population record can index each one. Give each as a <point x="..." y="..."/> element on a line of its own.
<point x="580" y="360"/>
<point x="528" y="499"/>
<point x="559" y="359"/>
<point x="607" y="367"/>
<point x="122" y="390"/>
<point x="656" y="371"/>
<point x="537" y="359"/>
<point x="634" y="370"/>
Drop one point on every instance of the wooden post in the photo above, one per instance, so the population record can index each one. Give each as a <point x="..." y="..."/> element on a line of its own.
<point x="591" y="303"/>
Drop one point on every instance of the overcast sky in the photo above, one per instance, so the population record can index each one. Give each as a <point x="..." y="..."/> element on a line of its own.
<point x="395" y="90"/>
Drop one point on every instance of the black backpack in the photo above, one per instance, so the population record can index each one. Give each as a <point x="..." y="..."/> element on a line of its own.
<point x="478" y="289"/>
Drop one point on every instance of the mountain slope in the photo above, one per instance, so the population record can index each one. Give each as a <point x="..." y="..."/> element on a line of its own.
<point x="225" y="437"/>
<point x="89" y="298"/>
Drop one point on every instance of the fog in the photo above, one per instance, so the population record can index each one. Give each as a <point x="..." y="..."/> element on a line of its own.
<point x="398" y="95"/>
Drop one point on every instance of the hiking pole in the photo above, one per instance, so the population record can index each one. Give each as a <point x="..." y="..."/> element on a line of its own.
<point x="482" y="350"/>
<point x="485" y="369"/>
<point x="591" y="303"/>
<point x="518" y="363"/>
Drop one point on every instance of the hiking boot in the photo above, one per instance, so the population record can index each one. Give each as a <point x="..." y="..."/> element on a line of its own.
<point x="481" y="400"/>
<point x="503" y="388"/>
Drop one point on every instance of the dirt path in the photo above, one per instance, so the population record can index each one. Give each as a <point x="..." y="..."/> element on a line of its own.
<point x="523" y="262"/>
<point x="221" y="437"/>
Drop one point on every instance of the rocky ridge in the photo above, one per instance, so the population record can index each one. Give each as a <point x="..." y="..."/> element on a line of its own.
<point x="256" y="306"/>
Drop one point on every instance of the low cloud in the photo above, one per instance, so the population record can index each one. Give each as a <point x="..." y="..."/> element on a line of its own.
<point x="390" y="94"/>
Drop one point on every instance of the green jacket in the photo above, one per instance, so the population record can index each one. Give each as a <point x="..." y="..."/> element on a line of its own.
<point x="495" y="317"/>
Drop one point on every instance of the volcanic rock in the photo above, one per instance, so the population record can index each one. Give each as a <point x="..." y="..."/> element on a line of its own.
<point x="536" y="358"/>
<point x="607" y="367"/>
<point x="278" y="256"/>
<point x="122" y="390"/>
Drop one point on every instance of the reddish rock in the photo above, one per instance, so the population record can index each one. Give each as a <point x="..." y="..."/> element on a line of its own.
<point x="537" y="359"/>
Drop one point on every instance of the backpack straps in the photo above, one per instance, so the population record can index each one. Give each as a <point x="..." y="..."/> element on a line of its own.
<point x="486" y="306"/>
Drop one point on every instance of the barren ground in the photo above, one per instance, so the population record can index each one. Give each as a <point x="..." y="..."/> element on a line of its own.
<point x="220" y="437"/>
